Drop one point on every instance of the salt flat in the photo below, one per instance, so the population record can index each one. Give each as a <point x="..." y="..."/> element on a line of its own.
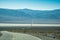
<point x="29" y="25"/>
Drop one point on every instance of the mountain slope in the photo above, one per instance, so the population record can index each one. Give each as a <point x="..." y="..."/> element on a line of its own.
<point x="28" y="15"/>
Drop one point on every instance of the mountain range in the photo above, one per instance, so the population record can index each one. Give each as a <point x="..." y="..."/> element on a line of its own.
<point x="29" y="14"/>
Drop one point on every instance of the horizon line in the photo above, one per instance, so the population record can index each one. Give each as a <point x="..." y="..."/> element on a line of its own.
<point x="29" y="8"/>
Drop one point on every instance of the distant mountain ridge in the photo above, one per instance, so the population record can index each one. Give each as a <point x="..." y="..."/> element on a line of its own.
<point x="28" y="14"/>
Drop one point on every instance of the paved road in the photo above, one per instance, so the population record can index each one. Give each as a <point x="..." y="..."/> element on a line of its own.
<point x="17" y="36"/>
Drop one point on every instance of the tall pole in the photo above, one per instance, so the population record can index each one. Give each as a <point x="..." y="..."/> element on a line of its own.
<point x="31" y="22"/>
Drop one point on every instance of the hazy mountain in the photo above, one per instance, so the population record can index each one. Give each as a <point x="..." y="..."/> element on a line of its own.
<point x="28" y="14"/>
<point x="40" y="14"/>
<point x="8" y="14"/>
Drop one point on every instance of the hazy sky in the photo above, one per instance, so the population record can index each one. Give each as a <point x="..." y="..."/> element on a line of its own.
<point x="30" y="4"/>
